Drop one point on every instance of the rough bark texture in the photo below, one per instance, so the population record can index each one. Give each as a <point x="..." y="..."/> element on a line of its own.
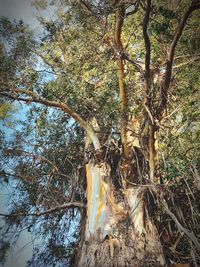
<point x="126" y="251"/>
<point x="118" y="234"/>
<point x="125" y="247"/>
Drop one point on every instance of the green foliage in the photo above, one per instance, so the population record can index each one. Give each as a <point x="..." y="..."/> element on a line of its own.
<point x="40" y="4"/>
<point x="5" y="109"/>
<point x="74" y="63"/>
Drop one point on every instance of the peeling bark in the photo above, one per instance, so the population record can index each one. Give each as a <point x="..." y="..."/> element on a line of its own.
<point x="103" y="211"/>
<point x="99" y="211"/>
<point x="145" y="233"/>
<point x="117" y="234"/>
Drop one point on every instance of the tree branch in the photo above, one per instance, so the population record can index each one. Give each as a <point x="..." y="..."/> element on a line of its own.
<point x="42" y="159"/>
<point x="147" y="41"/>
<point x="189" y="234"/>
<point x="149" y="107"/>
<point x="170" y="58"/>
<point x="21" y="176"/>
<point x="38" y="99"/>
<point x="134" y="62"/>
<point x="123" y="94"/>
<point x="136" y="5"/>
<point x="51" y="210"/>
<point x="192" y="60"/>
<point x="87" y="5"/>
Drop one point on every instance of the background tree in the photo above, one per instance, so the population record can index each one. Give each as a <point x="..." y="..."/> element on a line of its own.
<point x="97" y="166"/>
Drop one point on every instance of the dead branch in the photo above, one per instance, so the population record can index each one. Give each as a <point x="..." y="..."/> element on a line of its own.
<point x="134" y="62"/>
<point x="196" y="175"/>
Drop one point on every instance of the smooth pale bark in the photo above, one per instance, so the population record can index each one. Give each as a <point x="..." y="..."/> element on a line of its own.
<point x="102" y="210"/>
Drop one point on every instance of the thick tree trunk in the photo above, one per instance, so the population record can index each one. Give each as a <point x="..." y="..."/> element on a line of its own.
<point x="118" y="232"/>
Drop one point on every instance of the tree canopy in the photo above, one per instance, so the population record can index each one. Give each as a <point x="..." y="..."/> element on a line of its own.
<point x="103" y="76"/>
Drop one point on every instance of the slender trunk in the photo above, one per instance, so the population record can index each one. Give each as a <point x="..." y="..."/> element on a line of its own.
<point x="123" y="100"/>
<point x="123" y="93"/>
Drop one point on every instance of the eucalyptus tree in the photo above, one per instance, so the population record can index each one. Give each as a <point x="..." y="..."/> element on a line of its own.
<point x="97" y="150"/>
